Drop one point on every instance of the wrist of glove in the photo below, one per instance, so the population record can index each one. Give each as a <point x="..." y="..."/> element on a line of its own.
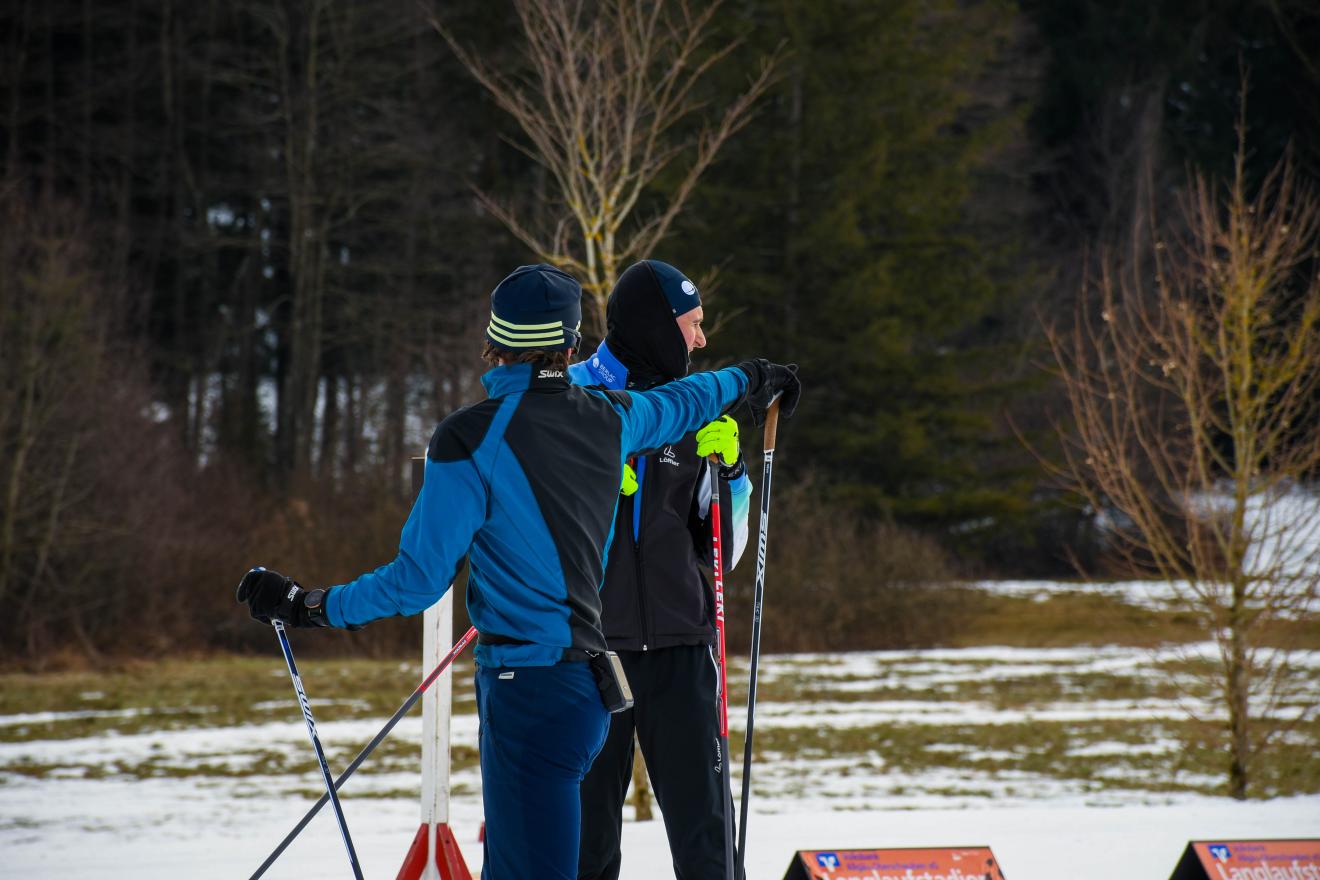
<point x="733" y="472"/>
<point x="270" y="595"/>
<point x="765" y="382"/>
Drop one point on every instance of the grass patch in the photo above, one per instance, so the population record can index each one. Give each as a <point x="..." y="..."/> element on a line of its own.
<point x="1070" y="618"/>
<point x="1090" y="617"/>
<point x="216" y="692"/>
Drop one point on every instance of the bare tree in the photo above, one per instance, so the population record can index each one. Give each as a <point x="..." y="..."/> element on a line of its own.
<point x="1194" y="384"/>
<point x="609" y="103"/>
<point x="53" y="342"/>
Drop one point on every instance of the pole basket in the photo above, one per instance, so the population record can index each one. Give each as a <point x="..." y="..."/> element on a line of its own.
<point x="434" y="855"/>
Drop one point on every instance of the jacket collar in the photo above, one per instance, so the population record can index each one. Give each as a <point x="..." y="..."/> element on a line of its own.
<point x="511" y="379"/>
<point x="607" y="369"/>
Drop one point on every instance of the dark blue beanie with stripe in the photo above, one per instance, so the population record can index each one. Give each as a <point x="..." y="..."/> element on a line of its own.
<point x="536" y="307"/>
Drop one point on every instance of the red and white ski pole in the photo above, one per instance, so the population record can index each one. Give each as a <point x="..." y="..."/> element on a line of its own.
<point x="462" y="643"/>
<point x="717" y="566"/>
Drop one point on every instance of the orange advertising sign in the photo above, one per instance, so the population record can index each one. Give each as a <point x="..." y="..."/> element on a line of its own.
<point x="1250" y="860"/>
<point x="941" y="863"/>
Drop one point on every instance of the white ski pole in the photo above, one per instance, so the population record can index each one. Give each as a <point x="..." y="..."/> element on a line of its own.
<point x="459" y="646"/>
<point x="767" y="466"/>
<point x="316" y="745"/>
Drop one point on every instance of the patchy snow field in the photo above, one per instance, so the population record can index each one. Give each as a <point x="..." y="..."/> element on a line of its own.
<point x="1070" y="763"/>
<point x="1152" y="595"/>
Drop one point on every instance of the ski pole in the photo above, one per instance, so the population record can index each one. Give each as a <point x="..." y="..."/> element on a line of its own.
<point x="717" y="566"/>
<point x="767" y="466"/>
<point x="316" y="745"/>
<point x="462" y="643"/>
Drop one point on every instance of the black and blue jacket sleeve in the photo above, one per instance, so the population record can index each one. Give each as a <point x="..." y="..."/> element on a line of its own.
<point x="446" y="515"/>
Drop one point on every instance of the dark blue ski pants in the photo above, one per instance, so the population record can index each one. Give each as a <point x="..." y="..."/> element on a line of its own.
<point x="541" y="727"/>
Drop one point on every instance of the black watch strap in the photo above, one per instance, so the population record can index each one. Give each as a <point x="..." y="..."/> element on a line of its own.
<point x="314" y="604"/>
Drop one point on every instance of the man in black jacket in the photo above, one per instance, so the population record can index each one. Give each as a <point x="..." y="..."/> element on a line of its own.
<point x="657" y="608"/>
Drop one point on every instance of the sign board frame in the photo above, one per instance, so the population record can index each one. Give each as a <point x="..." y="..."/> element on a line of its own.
<point x="894" y="863"/>
<point x="1220" y="859"/>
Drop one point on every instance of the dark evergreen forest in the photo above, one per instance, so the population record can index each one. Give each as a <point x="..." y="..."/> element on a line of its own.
<point x="244" y="270"/>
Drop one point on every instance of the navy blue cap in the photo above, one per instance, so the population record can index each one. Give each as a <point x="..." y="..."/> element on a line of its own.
<point x="681" y="293"/>
<point x="536" y="307"/>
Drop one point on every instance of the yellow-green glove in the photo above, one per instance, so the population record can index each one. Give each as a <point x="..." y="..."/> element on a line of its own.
<point x="721" y="438"/>
<point x="629" y="480"/>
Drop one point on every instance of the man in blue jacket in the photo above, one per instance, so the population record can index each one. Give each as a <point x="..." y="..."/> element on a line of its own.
<point x="524" y="484"/>
<point x="657" y="609"/>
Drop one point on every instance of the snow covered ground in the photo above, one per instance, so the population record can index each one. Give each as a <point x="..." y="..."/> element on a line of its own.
<point x="1064" y="761"/>
<point x="169" y="829"/>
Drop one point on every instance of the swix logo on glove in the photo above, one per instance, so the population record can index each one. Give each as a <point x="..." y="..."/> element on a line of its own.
<point x="550" y="374"/>
<point x="293" y="591"/>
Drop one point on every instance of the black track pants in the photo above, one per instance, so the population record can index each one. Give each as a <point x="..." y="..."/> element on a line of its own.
<point x="676" y="717"/>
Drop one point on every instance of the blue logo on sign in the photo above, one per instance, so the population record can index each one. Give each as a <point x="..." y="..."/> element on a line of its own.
<point x="827" y="860"/>
<point x="1220" y="852"/>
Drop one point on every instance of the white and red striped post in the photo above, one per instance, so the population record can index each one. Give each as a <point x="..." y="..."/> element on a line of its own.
<point x="434" y="854"/>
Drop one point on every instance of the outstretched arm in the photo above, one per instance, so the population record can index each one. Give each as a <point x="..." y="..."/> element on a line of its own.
<point x="663" y="415"/>
<point x="447" y="513"/>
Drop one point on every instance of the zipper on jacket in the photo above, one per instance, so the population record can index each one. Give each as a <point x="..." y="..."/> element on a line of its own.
<point x="637" y="553"/>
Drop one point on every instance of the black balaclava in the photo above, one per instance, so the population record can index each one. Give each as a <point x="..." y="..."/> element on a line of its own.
<point x="640" y="327"/>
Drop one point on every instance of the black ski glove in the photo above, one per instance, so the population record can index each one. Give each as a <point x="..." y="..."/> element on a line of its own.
<point x="269" y="594"/>
<point x="764" y="381"/>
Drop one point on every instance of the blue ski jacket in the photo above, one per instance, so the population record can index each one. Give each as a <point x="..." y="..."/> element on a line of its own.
<point x="525" y="483"/>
